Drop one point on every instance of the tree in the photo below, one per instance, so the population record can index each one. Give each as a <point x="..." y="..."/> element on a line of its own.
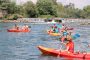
<point x="87" y="11"/>
<point x="12" y="8"/>
<point x="3" y="7"/>
<point x="46" y="7"/>
<point x="60" y="10"/>
<point x="30" y="9"/>
<point x="4" y="1"/>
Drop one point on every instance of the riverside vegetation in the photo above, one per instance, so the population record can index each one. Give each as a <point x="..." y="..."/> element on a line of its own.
<point x="42" y="9"/>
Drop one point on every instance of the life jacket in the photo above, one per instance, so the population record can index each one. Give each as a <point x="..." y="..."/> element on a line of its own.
<point x="56" y="30"/>
<point x="65" y="33"/>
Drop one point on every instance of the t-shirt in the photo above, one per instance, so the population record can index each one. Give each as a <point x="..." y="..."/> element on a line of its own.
<point x="71" y="46"/>
<point x="56" y="30"/>
<point x="59" y="26"/>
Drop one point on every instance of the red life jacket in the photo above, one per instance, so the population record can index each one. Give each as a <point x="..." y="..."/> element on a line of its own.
<point x="71" y="46"/>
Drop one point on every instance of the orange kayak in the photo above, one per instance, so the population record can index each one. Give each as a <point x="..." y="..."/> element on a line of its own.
<point x="14" y="30"/>
<point x="53" y="34"/>
<point x="54" y="52"/>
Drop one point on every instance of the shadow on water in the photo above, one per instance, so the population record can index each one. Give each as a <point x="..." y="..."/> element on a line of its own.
<point x="23" y="46"/>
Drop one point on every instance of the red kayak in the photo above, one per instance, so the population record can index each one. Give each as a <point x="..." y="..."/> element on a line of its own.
<point x="54" y="52"/>
<point x="15" y="30"/>
<point x="70" y="28"/>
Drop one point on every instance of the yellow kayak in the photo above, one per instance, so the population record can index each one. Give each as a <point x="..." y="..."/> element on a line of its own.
<point x="53" y="34"/>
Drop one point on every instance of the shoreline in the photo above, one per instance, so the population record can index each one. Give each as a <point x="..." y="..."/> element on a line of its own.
<point x="42" y="21"/>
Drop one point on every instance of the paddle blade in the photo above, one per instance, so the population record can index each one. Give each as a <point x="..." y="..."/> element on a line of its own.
<point x="75" y="36"/>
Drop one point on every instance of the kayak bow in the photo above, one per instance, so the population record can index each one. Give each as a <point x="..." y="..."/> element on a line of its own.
<point x="54" y="52"/>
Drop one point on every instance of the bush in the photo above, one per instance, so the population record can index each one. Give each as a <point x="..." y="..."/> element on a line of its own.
<point x="46" y="16"/>
<point x="14" y="17"/>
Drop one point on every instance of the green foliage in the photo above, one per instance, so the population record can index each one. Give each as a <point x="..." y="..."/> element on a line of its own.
<point x="46" y="16"/>
<point x="87" y="11"/>
<point x="30" y="9"/>
<point x="12" y="8"/>
<point x="13" y="16"/>
<point x="44" y="9"/>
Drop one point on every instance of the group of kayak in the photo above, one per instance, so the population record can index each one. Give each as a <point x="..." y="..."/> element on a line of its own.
<point x="66" y="38"/>
<point x="65" y="35"/>
<point x="61" y="30"/>
<point x="16" y="28"/>
<point x="58" y="28"/>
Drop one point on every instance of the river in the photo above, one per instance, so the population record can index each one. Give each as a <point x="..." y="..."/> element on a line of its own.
<point x="23" y="46"/>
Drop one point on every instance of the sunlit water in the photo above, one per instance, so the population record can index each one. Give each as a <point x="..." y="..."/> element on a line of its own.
<point x="23" y="46"/>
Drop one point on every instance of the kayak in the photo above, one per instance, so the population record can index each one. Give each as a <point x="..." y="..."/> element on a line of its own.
<point x="53" y="34"/>
<point x="14" y="30"/>
<point x="69" y="28"/>
<point x="54" y="52"/>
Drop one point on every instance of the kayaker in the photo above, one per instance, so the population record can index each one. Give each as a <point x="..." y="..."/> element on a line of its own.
<point x="56" y="30"/>
<point x="64" y="35"/>
<point x="59" y="26"/>
<point x="63" y="27"/>
<point x="69" y="45"/>
<point x="51" y="30"/>
<point x="25" y="27"/>
<point x="16" y="27"/>
<point x="54" y="25"/>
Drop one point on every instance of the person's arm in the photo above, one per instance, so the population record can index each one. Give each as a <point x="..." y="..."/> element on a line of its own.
<point x="67" y="48"/>
<point x="63" y="43"/>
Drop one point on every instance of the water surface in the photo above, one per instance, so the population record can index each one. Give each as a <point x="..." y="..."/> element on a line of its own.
<point x="23" y="46"/>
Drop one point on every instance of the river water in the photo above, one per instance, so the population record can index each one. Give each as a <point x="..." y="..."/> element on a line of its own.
<point x="23" y="46"/>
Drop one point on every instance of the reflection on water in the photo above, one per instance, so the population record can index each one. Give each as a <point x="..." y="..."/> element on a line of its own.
<point x="23" y="46"/>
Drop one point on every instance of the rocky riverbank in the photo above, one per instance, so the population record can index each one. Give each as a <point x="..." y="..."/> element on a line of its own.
<point x="6" y="21"/>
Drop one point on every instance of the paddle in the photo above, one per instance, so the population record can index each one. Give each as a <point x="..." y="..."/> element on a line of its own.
<point x="59" y="49"/>
<point x="75" y="36"/>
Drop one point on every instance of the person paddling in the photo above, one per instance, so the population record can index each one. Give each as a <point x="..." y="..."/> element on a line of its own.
<point x="16" y="27"/>
<point x="25" y="27"/>
<point x="51" y="30"/>
<point x="64" y="35"/>
<point x="56" y="30"/>
<point x="69" y="45"/>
